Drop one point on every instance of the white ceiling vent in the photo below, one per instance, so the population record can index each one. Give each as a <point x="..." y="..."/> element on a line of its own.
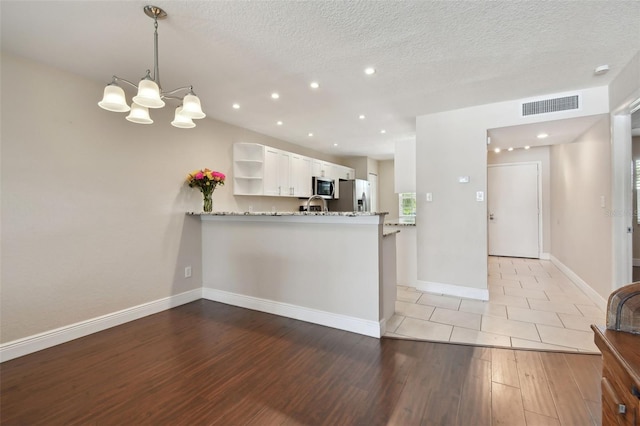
<point x="544" y="106"/>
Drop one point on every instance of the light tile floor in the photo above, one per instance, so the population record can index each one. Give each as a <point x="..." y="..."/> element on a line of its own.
<point x="532" y="305"/>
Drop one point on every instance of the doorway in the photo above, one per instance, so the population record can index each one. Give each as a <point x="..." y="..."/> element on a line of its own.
<point x="373" y="182"/>
<point x="514" y="223"/>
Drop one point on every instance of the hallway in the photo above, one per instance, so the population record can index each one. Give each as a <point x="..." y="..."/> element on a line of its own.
<point x="532" y="305"/>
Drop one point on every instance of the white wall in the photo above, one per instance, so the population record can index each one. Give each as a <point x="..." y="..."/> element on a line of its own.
<point x="580" y="225"/>
<point x="452" y="236"/>
<point x="93" y="206"/>
<point x="540" y="154"/>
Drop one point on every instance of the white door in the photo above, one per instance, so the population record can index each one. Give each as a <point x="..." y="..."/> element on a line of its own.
<point x="514" y="213"/>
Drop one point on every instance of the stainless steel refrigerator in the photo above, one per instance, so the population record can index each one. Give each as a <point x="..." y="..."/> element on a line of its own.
<point x="355" y="196"/>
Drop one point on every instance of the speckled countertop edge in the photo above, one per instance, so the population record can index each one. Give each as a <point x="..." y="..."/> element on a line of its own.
<point x="348" y="214"/>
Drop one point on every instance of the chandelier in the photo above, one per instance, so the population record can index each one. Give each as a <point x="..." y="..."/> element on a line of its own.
<point x="150" y="93"/>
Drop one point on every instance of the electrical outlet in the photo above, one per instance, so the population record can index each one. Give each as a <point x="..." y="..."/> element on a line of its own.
<point x="187" y="272"/>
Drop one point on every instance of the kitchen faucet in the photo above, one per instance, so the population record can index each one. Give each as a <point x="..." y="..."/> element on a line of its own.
<point x="324" y="202"/>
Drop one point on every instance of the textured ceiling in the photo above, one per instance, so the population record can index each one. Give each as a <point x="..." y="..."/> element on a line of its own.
<point x="429" y="56"/>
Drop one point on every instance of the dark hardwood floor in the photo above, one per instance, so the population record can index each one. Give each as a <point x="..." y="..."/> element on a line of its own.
<point x="210" y="363"/>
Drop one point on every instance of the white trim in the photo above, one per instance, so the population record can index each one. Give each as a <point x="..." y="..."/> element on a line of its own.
<point x="621" y="206"/>
<point x="636" y="262"/>
<point x="47" y="339"/>
<point x="383" y="326"/>
<point x="453" y="290"/>
<point x="329" y="319"/>
<point x="545" y="256"/>
<point x="581" y="284"/>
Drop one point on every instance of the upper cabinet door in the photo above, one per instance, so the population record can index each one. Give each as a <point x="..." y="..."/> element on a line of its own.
<point x="300" y="175"/>
<point x="271" y="175"/>
<point x="285" y="187"/>
<point x="345" y="173"/>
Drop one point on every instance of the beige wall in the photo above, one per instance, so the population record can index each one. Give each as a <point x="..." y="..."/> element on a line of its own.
<point x="580" y="226"/>
<point x="388" y="198"/>
<point x="93" y="206"/>
<point x="535" y="154"/>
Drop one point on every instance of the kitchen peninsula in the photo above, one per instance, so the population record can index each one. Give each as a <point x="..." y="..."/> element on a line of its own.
<point x="331" y="268"/>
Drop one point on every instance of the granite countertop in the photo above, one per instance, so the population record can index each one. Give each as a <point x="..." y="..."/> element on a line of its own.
<point x="349" y="214"/>
<point x="399" y="224"/>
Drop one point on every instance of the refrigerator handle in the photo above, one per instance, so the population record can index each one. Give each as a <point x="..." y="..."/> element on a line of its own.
<point x="333" y="189"/>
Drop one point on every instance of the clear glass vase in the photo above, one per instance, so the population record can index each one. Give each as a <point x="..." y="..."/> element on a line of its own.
<point x="207" y="202"/>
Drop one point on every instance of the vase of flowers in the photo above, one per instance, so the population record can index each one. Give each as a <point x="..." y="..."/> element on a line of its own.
<point x="206" y="181"/>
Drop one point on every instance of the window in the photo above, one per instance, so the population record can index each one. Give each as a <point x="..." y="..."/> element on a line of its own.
<point x="407" y="207"/>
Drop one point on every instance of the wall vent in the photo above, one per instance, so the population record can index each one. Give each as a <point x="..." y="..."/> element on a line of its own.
<point x="545" y="106"/>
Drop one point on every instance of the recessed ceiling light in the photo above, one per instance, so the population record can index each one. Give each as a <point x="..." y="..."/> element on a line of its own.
<point x="542" y="136"/>
<point x="362" y="117"/>
<point x="510" y="149"/>
<point x="369" y="71"/>
<point x="279" y="123"/>
<point x="527" y="147"/>
<point x="275" y="95"/>
<point x="310" y="134"/>
<point x="314" y="85"/>
<point x="236" y="106"/>
<point x="335" y="144"/>
<point x="383" y="131"/>
<point x="496" y="150"/>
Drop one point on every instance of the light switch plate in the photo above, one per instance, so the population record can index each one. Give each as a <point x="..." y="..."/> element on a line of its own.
<point x="480" y="196"/>
<point x="429" y="196"/>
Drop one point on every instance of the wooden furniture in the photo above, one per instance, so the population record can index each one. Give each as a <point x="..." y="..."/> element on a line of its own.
<point x="620" y="376"/>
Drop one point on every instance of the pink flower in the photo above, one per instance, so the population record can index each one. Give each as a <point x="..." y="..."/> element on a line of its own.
<point x="218" y="175"/>
<point x="199" y="175"/>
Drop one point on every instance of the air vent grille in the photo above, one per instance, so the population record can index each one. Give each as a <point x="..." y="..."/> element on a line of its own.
<point x="551" y="105"/>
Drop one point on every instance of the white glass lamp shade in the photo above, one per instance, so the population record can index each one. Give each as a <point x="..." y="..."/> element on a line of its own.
<point x="191" y="107"/>
<point x="113" y="99"/>
<point x="139" y="114"/>
<point x="182" y="121"/>
<point x="148" y="94"/>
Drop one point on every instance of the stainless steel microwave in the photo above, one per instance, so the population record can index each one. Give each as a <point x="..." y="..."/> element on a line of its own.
<point x="324" y="187"/>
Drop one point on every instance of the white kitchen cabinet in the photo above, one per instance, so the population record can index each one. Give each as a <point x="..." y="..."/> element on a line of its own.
<point x="344" y="173"/>
<point x="271" y="175"/>
<point x="285" y="188"/>
<point x="300" y="175"/>
<point x="278" y="177"/>
<point x="264" y="170"/>
<point x="248" y="169"/>
<point x="321" y="168"/>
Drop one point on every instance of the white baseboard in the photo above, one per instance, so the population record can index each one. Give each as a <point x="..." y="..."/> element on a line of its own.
<point x="582" y="285"/>
<point x="37" y="342"/>
<point x="636" y="262"/>
<point x="545" y="256"/>
<point x="328" y="319"/>
<point x="453" y="290"/>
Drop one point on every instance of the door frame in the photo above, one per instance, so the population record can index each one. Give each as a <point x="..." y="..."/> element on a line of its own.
<point x="621" y="198"/>
<point x="541" y="254"/>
